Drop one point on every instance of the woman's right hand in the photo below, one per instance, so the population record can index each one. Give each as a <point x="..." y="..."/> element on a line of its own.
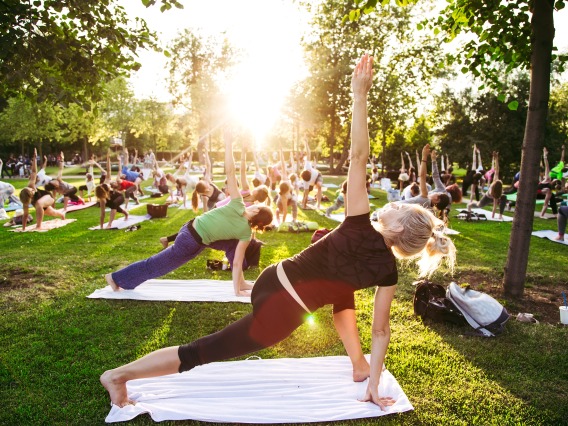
<point x="362" y="77"/>
<point x="425" y="152"/>
<point x="372" y="395"/>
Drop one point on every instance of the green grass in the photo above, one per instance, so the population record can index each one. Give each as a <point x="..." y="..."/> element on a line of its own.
<point x="54" y="342"/>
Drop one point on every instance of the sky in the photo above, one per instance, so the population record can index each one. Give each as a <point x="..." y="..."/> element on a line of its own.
<point x="268" y="30"/>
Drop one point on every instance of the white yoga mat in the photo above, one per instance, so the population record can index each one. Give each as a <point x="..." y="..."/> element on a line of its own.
<point x="120" y="223"/>
<point x="177" y="290"/>
<point x="131" y="206"/>
<point x="330" y="185"/>
<point x="287" y="390"/>
<point x="76" y="207"/>
<point x="338" y="217"/>
<point x="487" y="214"/>
<point x="551" y="235"/>
<point x="47" y="225"/>
<point x="546" y="216"/>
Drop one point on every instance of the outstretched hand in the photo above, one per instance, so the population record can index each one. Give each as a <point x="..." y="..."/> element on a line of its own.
<point x="362" y="77"/>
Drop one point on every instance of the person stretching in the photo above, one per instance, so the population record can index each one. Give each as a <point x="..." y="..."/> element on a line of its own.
<point x="233" y="221"/>
<point x="108" y="197"/>
<point x="353" y="256"/>
<point x="40" y="199"/>
<point x="494" y="194"/>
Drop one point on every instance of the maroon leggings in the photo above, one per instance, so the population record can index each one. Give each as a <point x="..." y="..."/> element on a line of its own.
<point x="275" y="315"/>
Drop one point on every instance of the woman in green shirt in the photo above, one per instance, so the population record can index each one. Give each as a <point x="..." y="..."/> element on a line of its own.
<point x="232" y="221"/>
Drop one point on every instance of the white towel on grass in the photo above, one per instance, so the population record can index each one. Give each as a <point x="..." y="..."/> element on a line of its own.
<point x="131" y="206"/>
<point x="551" y="235"/>
<point x="178" y="290"/>
<point x="338" y="217"/>
<point x="120" y="223"/>
<point x="288" y="390"/>
<point x="487" y="214"/>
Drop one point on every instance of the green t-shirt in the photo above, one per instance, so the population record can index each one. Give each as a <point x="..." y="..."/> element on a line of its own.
<point x="224" y="223"/>
<point x="556" y="172"/>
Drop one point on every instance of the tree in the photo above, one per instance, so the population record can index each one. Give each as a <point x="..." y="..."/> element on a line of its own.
<point x="404" y="65"/>
<point x="62" y="50"/>
<point x="504" y="33"/>
<point x="196" y="65"/>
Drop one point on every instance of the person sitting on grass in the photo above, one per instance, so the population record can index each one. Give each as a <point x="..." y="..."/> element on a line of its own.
<point x="233" y="221"/>
<point x="353" y="256"/>
<point x="40" y="199"/>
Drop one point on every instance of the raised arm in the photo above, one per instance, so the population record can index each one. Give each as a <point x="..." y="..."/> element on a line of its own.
<point x="308" y="152"/>
<point x="283" y="166"/>
<point x="33" y="174"/>
<point x="361" y="82"/>
<point x="108" y="167"/>
<point x="474" y="160"/>
<point x="232" y="185"/>
<point x="424" y="171"/>
<point x="479" y="165"/>
<point x="545" y="160"/>
<point x="438" y="184"/>
<point x="410" y="165"/>
<point x="402" y="168"/>
<point x="244" y="179"/>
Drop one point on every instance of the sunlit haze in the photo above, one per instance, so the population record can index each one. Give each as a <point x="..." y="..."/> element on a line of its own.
<point x="268" y="32"/>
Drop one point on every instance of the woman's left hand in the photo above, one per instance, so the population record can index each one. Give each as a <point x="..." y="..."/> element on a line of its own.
<point x="362" y="76"/>
<point x="372" y="395"/>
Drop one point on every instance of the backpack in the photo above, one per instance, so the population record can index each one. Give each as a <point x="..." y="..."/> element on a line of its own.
<point x="430" y="302"/>
<point x="485" y="314"/>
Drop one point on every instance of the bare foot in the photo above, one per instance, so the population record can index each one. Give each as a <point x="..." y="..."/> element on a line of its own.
<point x="246" y="286"/>
<point x="164" y="242"/>
<point x="116" y="389"/>
<point x="361" y="371"/>
<point x="125" y="215"/>
<point x="559" y="237"/>
<point x="110" y="281"/>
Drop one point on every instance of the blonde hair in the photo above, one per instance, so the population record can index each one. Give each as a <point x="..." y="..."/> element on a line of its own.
<point x="200" y="188"/>
<point x="415" y="233"/>
<point x="26" y="195"/>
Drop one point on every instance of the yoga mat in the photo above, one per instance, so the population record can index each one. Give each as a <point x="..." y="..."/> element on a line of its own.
<point x="330" y="185"/>
<point x="120" y="223"/>
<point x="287" y="390"/>
<point x="551" y="235"/>
<point x="200" y="290"/>
<point x="546" y="216"/>
<point x="13" y="207"/>
<point x="338" y="217"/>
<point x="487" y="214"/>
<point x="45" y="226"/>
<point x="80" y="206"/>
<point x="131" y="206"/>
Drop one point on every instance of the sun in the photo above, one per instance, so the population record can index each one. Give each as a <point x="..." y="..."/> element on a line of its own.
<point x="255" y="98"/>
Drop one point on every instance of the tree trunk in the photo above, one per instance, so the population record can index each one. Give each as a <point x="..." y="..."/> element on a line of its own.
<point x="85" y="150"/>
<point x="343" y="158"/>
<point x="517" y="258"/>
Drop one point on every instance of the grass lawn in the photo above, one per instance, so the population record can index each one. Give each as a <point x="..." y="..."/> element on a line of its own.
<point x="54" y="342"/>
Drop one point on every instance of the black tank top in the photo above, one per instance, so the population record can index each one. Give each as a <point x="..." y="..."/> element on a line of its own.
<point x="351" y="257"/>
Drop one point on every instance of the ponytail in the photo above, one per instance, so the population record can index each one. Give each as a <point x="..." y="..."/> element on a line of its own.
<point x="199" y="188"/>
<point x="438" y="248"/>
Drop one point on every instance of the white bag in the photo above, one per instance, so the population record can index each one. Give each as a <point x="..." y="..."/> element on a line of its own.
<point x="485" y="314"/>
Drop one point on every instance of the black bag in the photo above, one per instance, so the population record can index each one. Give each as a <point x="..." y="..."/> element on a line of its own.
<point x="430" y="301"/>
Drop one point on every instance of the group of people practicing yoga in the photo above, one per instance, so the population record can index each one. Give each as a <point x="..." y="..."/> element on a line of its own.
<point x="355" y="255"/>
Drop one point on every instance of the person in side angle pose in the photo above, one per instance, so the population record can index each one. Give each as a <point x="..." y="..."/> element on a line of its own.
<point x="353" y="256"/>
<point x="494" y="194"/>
<point x="107" y="196"/>
<point x="40" y="199"/>
<point x="233" y="221"/>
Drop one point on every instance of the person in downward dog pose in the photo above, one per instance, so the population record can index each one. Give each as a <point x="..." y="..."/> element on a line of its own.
<point x="233" y="221"/>
<point x="353" y="256"/>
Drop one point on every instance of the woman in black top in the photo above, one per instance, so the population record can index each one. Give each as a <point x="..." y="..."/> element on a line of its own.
<point x="355" y="255"/>
<point x="40" y="199"/>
